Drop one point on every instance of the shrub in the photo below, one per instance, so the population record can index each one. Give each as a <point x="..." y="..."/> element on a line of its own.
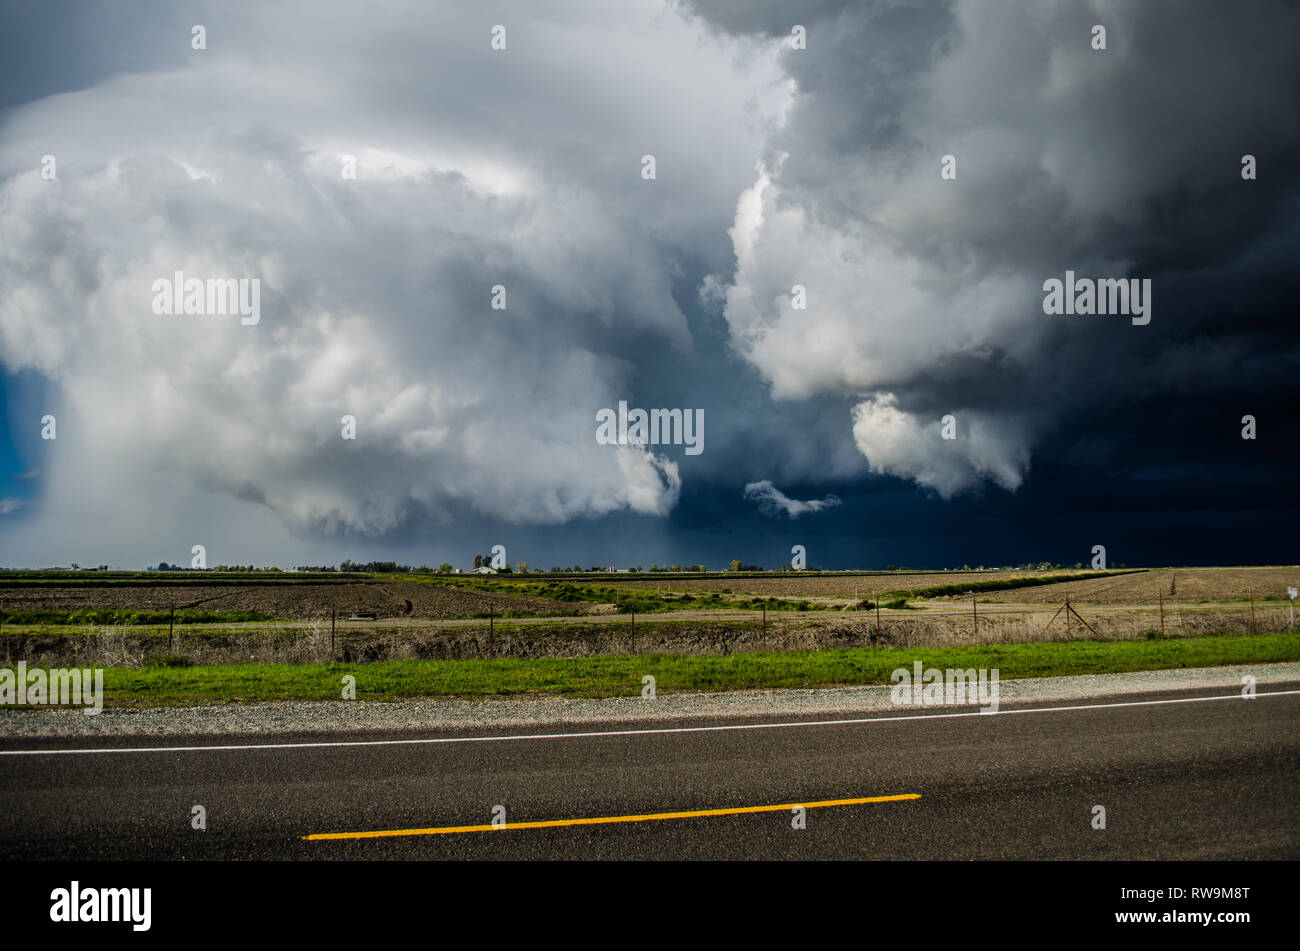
<point x="169" y="660"/>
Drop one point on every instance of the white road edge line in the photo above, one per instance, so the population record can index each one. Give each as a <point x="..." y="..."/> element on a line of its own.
<point x="647" y="732"/>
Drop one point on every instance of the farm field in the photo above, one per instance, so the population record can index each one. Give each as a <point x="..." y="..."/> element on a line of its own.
<point x="1126" y="587"/>
<point x="256" y="619"/>
<point x="793" y="585"/>
<point x="1185" y="585"/>
<point x="384" y="599"/>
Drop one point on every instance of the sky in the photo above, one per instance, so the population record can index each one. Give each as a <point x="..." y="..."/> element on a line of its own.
<point x="839" y="259"/>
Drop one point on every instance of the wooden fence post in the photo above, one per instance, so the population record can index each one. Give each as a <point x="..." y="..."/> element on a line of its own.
<point x="1083" y="622"/>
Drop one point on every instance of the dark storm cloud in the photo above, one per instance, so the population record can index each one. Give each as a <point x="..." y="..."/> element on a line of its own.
<point x="925" y="295"/>
<point x="522" y="168"/>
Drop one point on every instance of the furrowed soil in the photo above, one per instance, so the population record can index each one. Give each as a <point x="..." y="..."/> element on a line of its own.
<point x="289" y="601"/>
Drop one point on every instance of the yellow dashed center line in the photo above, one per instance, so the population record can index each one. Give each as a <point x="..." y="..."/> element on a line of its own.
<point x="605" y="820"/>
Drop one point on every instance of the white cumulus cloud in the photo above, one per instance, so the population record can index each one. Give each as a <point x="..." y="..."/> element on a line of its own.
<point x="772" y="501"/>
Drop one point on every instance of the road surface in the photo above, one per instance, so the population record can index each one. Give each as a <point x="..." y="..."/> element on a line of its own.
<point x="1181" y="776"/>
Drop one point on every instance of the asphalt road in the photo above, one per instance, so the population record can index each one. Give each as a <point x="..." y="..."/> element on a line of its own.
<point x="1187" y="780"/>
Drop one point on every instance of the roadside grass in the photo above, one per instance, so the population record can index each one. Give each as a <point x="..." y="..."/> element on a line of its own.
<point x="621" y="675"/>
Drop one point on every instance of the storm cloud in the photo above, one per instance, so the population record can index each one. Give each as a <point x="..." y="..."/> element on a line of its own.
<point x="840" y="258"/>
<point x="922" y="294"/>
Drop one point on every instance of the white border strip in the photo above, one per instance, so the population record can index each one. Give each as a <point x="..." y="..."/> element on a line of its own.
<point x="647" y="732"/>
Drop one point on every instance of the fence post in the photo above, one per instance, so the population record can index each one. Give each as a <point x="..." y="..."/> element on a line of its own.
<point x="1252" y="610"/>
<point x="1083" y="622"/>
<point x="877" y="620"/>
<point x="333" y="615"/>
<point x="974" y="615"/>
<point x="764" y="617"/>
<point x="1067" y="619"/>
<point x="171" y="626"/>
<point x="634" y="630"/>
<point x="492" y="613"/>
<point x="1161" y="595"/>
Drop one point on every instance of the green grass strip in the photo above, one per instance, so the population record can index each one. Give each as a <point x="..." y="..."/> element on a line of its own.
<point x="620" y="675"/>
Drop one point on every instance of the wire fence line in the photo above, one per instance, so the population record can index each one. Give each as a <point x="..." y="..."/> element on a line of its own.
<point x="328" y="637"/>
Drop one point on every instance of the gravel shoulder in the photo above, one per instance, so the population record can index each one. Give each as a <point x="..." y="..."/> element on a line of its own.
<point x="358" y="716"/>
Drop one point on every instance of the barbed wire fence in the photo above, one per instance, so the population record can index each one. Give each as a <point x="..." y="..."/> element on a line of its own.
<point x="326" y="636"/>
